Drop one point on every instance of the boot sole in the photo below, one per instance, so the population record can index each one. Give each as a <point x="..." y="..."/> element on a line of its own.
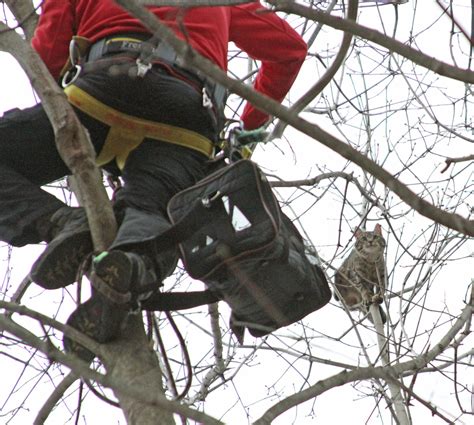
<point x="58" y="265"/>
<point x="99" y="318"/>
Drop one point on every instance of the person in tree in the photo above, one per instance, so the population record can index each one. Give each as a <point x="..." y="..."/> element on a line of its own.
<point x="152" y="120"/>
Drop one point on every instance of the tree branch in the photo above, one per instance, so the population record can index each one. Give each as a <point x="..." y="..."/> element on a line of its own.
<point x="25" y="14"/>
<point x="420" y="58"/>
<point x="314" y="181"/>
<point x="380" y="372"/>
<point x="143" y="372"/>
<point x="393" y="384"/>
<point x="72" y="141"/>
<point x="54" y="397"/>
<point x="132" y="390"/>
<point x="450" y="161"/>
<point x="301" y="103"/>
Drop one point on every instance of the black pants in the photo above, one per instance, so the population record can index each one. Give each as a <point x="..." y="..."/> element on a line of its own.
<point x="153" y="173"/>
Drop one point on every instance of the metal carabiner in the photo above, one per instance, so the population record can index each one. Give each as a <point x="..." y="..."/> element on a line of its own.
<point x="73" y="73"/>
<point x="74" y="52"/>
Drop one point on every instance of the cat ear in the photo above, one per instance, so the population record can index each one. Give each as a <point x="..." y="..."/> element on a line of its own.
<point x="358" y="233"/>
<point x="378" y="229"/>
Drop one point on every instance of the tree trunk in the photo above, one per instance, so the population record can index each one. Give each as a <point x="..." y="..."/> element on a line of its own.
<point x="131" y="359"/>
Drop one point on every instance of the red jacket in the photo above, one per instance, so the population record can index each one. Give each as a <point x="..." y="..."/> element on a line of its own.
<point x="255" y="30"/>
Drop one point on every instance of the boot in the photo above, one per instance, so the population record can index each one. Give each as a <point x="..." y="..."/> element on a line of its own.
<point x="69" y="242"/>
<point x="119" y="280"/>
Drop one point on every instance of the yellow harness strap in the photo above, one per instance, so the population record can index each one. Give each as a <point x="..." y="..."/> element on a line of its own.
<point x="127" y="132"/>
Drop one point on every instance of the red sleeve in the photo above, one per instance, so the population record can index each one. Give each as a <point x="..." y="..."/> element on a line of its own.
<point x="264" y="36"/>
<point x="53" y="34"/>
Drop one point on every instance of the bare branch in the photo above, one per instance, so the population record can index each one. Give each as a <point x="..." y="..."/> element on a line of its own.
<point x="450" y="161"/>
<point x="87" y="342"/>
<point x="328" y="75"/>
<point x="393" y="384"/>
<point x="25" y="14"/>
<point x="132" y="390"/>
<point x="453" y="221"/>
<point x="433" y="409"/>
<point x="453" y="19"/>
<point x="370" y="34"/>
<point x="219" y="367"/>
<point x="72" y="142"/>
<point x="316" y="180"/>
<point x="370" y="372"/>
<point x="54" y="397"/>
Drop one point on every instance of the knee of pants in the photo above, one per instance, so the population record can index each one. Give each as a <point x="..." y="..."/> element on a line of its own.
<point x="156" y="171"/>
<point x="138" y="231"/>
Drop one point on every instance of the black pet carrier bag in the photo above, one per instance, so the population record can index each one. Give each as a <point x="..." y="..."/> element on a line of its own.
<point x="235" y="238"/>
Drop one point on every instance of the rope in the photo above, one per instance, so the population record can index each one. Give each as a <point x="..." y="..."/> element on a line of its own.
<point x="182" y="343"/>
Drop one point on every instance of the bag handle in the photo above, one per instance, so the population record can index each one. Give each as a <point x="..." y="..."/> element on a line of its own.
<point x="186" y="225"/>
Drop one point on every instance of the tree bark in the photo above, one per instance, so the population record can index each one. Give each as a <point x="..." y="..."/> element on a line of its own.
<point x="72" y="141"/>
<point x="131" y="359"/>
<point x="25" y="14"/>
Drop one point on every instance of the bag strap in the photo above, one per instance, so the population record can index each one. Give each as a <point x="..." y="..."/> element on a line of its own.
<point x="193" y="220"/>
<point x="181" y="230"/>
<point x="166" y="301"/>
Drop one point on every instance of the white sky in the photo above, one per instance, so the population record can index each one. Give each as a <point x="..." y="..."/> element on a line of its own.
<point x="252" y="382"/>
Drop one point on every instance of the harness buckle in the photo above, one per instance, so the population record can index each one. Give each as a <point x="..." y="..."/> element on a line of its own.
<point x="142" y="68"/>
<point x="206" y="99"/>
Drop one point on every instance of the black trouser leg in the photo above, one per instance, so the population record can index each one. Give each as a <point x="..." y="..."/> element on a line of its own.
<point x="28" y="159"/>
<point x="154" y="172"/>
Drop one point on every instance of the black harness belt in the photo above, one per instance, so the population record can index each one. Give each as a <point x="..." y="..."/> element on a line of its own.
<point x="137" y="43"/>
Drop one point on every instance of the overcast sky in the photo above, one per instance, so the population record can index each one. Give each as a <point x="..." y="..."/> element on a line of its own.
<point x="300" y="160"/>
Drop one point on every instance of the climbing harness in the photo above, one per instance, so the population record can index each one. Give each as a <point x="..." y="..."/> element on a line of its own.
<point x="127" y="132"/>
<point x="153" y="50"/>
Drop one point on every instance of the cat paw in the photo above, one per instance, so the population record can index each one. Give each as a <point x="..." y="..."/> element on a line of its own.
<point x="377" y="299"/>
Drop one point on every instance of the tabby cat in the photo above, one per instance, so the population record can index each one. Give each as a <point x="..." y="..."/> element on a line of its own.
<point x="360" y="280"/>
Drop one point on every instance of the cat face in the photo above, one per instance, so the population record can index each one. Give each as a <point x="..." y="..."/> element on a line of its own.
<point x="370" y="244"/>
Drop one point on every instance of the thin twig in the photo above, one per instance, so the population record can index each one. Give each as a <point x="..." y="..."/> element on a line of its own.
<point x="450" y="161"/>
<point x="54" y="397"/>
